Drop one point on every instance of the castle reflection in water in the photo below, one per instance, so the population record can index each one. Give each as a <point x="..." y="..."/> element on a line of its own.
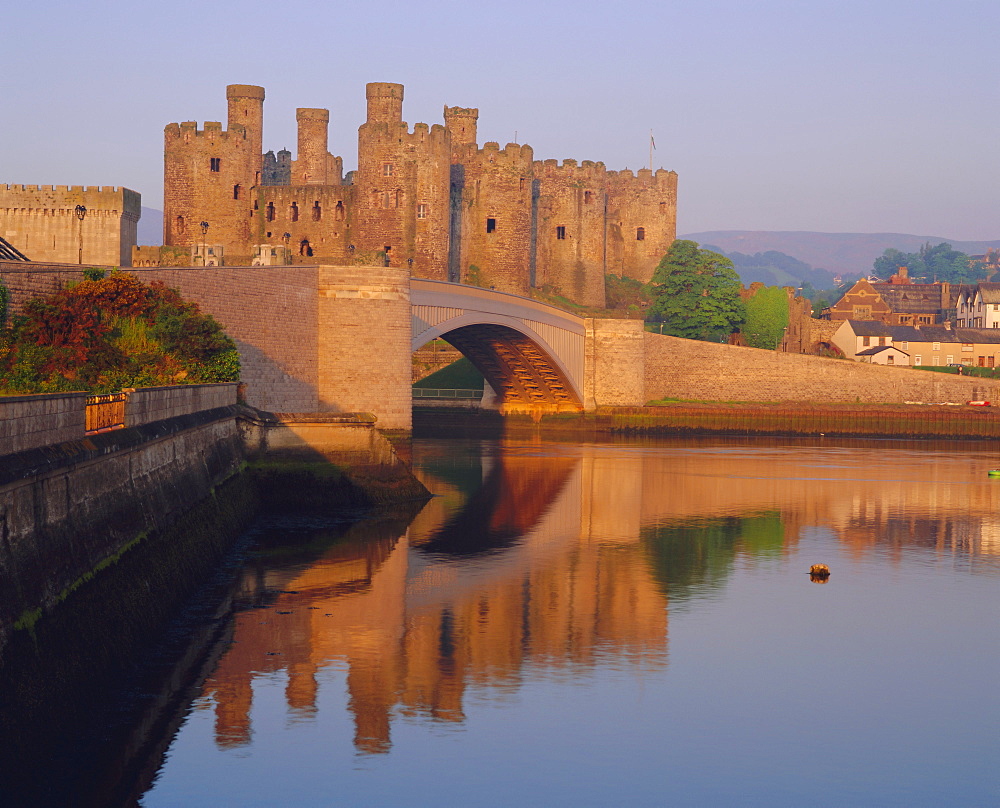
<point x="562" y="558"/>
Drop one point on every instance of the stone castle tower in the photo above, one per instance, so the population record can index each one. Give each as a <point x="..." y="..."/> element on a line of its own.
<point x="430" y="200"/>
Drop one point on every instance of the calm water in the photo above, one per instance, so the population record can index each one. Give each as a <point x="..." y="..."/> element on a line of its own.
<point x="619" y="624"/>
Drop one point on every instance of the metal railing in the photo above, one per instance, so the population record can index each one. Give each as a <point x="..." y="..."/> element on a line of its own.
<point x="445" y="392"/>
<point x="106" y="412"/>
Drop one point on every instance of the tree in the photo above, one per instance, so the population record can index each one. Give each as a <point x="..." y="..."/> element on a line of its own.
<point x="767" y="318"/>
<point x="937" y="263"/>
<point x="696" y="293"/>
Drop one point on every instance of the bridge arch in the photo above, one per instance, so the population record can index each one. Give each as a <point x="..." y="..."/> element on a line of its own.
<point x="531" y="354"/>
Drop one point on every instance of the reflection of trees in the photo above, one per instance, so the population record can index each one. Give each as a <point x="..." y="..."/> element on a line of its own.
<point x="694" y="558"/>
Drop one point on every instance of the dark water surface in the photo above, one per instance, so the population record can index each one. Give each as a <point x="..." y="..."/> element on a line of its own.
<point x="616" y="624"/>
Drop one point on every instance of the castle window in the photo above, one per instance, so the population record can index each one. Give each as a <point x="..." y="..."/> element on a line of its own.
<point x="586" y="197"/>
<point x="561" y="232"/>
<point x="236" y="192"/>
<point x="304" y="248"/>
<point x="396" y="198"/>
<point x="293" y="212"/>
<point x="387" y="169"/>
<point x="180" y="225"/>
<point x="491" y="225"/>
<point x="421" y="211"/>
<point x="663" y="208"/>
<point x="270" y="211"/>
<point x="215" y="163"/>
<point x="385" y="199"/>
<point x="640" y="234"/>
<point x="338" y="212"/>
<point x="317" y="211"/>
<point x="255" y="205"/>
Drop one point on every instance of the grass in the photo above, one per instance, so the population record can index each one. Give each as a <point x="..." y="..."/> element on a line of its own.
<point x="460" y="375"/>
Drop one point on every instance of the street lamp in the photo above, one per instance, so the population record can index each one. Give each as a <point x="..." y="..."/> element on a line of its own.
<point x="286" y="237"/>
<point x="204" y="233"/>
<point x="81" y="213"/>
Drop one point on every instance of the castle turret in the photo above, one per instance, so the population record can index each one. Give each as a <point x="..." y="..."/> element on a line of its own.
<point x="400" y="192"/>
<point x="385" y="102"/>
<point x="246" y="109"/>
<point x="461" y="125"/>
<point x="313" y="158"/>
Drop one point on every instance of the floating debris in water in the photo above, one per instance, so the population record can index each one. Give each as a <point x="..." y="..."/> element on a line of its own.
<point x="819" y="573"/>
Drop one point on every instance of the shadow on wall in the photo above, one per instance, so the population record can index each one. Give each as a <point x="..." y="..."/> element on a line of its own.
<point x="270" y="386"/>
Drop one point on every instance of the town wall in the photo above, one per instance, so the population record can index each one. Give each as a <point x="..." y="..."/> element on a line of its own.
<point x="41" y="222"/>
<point x="706" y="371"/>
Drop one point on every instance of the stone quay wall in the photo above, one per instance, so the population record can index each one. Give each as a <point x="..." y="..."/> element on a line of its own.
<point x="705" y="371"/>
<point x="27" y="422"/>
<point x="69" y="510"/>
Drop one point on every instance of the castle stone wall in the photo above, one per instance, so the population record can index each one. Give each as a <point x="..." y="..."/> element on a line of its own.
<point x="644" y="204"/>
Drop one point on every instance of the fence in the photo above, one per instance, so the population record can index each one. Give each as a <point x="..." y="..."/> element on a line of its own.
<point x="106" y="412"/>
<point x="445" y="392"/>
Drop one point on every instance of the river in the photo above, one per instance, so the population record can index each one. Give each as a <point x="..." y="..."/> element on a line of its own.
<point x="621" y="623"/>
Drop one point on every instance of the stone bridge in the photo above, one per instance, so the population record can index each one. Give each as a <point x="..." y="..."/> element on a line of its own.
<point x="531" y="354"/>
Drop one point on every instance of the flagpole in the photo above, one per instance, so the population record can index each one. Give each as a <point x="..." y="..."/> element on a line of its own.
<point x="651" y="147"/>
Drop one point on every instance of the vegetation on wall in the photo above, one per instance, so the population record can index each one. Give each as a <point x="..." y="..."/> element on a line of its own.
<point x="4" y="303"/>
<point x="767" y="318"/>
<point x="696" y="294"/>
<point x="107" y="334"/>
<point x="625" y="293"/>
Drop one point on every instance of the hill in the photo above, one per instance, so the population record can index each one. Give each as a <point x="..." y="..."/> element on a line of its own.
<point x="150" y="228"/>
<point x="848" y="254"/>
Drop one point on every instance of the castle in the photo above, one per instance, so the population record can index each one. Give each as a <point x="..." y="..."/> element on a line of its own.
<point x="428" y="199"/>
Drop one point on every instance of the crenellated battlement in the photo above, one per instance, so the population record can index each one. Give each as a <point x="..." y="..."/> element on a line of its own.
<point x="210" y="130"/>
<point x="569" y="171"/>
<point x="101" y="189"/>
<point x="661" y="178"/>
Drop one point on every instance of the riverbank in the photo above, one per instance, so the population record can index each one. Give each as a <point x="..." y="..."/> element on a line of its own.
<point x="685" y="418"/>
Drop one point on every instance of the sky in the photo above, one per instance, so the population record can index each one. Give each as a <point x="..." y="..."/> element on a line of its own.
<point x="878" y="116"/>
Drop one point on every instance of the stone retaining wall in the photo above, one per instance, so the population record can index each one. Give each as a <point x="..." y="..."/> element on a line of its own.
<point x="27" y="422"/>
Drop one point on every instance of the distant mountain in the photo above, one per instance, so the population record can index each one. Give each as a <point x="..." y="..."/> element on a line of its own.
<point x="150" y="229"/>
<point x="848" y="254"/>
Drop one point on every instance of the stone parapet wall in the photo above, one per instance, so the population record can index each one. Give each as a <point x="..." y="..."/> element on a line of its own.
<point x="149" y="404"/>
<point x="28" y="422"/>
<point x="704" y="371"/>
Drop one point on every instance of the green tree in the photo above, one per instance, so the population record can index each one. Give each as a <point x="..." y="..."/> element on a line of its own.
<point x="696" y="293"/>
<point x="766" y="318"/>
<point x="935" y="263"/>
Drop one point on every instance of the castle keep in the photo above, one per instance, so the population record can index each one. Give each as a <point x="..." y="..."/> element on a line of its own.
<point x="428" y="199"/>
